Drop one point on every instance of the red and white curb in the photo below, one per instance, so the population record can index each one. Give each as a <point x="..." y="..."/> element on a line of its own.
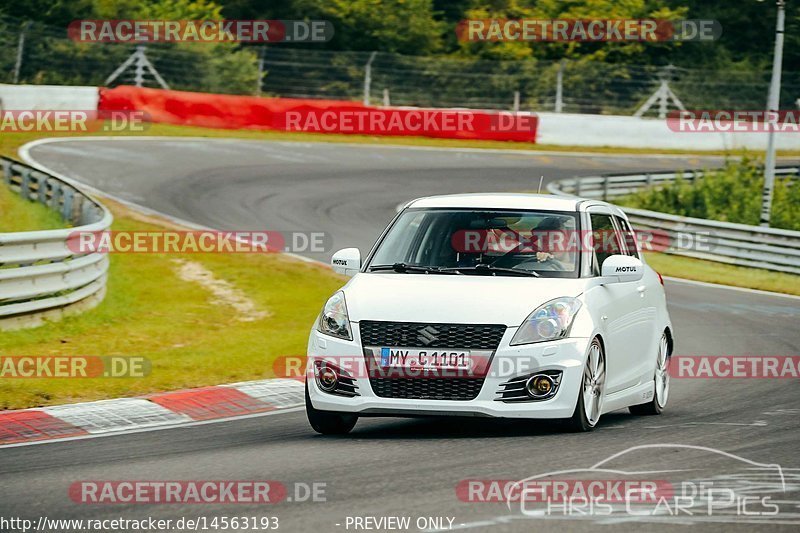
<point x="156" y="411"/>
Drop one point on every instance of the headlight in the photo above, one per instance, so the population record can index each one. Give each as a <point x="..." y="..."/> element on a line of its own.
<point x="549" y="322"/>
<point x="333" y="319"/>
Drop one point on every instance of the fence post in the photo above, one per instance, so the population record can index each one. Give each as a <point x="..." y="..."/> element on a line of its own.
<point x="20" y="51"/>
<point x="386" y="101"/>
<point x="516" y="102"/>
<point x="368" y="77"/>
<point x="560" y="86"/>
<point x="260" y="70"/>
<point x="138" y="77"/>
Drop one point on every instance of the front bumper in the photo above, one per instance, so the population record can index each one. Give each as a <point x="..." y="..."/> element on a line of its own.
<point x="567" y="356"/>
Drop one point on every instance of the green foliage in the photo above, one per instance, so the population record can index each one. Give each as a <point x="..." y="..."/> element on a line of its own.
<point x="731" y="194"/>
<point x="52" y="59"/>
<point x="610" y="77"/>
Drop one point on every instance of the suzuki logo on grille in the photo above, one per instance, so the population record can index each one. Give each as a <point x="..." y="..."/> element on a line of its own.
<point x="428" y="335"/>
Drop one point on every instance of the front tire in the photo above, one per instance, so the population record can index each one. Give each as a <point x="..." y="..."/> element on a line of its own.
<point x="660" y="381"/>
<point x="329" y="422"/>
<point x="590" y="396"/>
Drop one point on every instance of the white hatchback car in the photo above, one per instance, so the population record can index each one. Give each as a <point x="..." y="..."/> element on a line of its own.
<point x="497" y="305"/>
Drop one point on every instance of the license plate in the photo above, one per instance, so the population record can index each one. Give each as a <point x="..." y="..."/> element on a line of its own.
<point x="426" y="358"/>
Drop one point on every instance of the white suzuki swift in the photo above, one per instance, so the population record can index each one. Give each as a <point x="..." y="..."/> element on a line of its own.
<point x="497" y="305"/>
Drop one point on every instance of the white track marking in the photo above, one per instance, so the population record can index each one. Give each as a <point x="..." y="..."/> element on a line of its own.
<point x="729" y="287"/>
<point x="157" y="428"/>
<point x="509" y="151"/>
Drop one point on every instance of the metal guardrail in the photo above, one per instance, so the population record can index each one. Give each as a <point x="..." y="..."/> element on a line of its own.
<point x="39" y="274"/>
<point x="724" y="242"/>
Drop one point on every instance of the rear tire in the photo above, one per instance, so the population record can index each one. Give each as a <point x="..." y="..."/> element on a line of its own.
<point x="329" y="422"/>
<point x="660" y="383"/>
<point x="590" y="395"/>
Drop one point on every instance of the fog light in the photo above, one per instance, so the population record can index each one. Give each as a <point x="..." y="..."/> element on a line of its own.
<point x="539" y="386"/>
<point x="327" y="378"/>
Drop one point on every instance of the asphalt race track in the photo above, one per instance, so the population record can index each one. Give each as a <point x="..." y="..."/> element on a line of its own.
<point x="396" y="467"/>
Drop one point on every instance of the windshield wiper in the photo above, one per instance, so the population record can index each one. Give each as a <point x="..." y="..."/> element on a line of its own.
<point x="405" y="267"/>
<point x="493" y="269"/>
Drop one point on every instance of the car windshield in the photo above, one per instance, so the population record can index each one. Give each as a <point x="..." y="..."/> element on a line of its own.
<point x="480" y="242"/>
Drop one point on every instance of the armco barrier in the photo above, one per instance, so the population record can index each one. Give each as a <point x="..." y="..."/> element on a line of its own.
<point x="570" y="129"/>
<point x="48" y="97"/>
<point x="40" y="277"/>
<point x="250" y="112"/>
<point x="724" y="242"/>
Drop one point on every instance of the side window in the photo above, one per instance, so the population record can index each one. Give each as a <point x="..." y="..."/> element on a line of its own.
<point x="605" y="240"/>
<point x="628" y="236"/>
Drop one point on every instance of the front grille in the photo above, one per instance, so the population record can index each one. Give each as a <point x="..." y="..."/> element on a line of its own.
<point x="418" y="334"/>
<point x="450" y="336"/>
<point x="427" y="388"/>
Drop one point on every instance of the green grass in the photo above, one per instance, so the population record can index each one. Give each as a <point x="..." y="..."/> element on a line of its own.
<point x="189" y="340"/>
<point x="712" y="272"/>
<point x="19" y="214"/>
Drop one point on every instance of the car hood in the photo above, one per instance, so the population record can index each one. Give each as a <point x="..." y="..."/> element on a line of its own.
<point x="454" y="299"/>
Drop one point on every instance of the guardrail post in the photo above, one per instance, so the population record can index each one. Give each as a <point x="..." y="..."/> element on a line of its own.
<point x="605" y="188"/>
<point x="55" y="198"/>
<point x="43" y="190"/>
<point x="7" y="171"/>
<point x="25" y="186"/>
<point x="66" y="208"/>
<point x="649" y="179"/>
<point x="85" y="212"/>
<point x="577" y="186"/>
<point x="77" y="209"/>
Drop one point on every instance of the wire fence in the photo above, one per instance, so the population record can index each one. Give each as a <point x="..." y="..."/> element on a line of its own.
<point x="35" y="53"/>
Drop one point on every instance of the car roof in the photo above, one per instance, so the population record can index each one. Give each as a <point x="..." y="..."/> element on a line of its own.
<point x="544" y="202"/>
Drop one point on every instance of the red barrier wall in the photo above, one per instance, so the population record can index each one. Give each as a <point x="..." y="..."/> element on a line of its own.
<point x="317" y="116"/>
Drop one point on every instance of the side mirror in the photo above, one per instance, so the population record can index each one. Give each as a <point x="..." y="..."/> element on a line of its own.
<point x="347" y="261"/>
<point x="622" y="268"/>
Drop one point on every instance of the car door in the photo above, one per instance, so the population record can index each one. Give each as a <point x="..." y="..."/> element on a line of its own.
<point x="647" y="288"/>
<point x="619" y="305"/>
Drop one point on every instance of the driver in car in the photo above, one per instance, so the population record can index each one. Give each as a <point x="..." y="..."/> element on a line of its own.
<point x="551" y="239"/>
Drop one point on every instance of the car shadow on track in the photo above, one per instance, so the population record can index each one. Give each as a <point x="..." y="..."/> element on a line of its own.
<point x="468" y="427"/>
